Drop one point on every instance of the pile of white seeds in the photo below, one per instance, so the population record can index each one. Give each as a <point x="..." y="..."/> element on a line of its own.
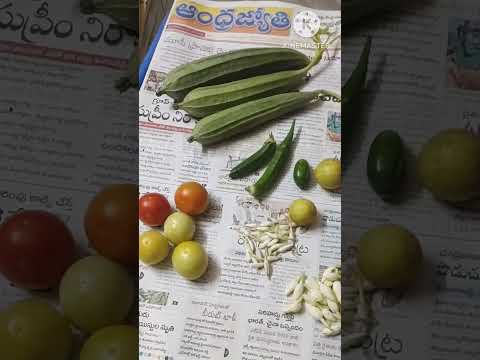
<point x="264" y="243"/>
<point x="321" y="297"/>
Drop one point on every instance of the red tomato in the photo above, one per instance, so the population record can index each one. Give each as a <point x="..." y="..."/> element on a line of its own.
<point x="153" y="209"/>
<point x="191" y="198"/>
<point x="36" y="248"/>
<point x="111" y="223"/>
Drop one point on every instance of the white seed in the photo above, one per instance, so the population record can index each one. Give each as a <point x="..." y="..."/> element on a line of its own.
<point x="312" y="284"/>
<point x="314" y="311"/>
<point x="298" y="292"/>
<point x="272" y="235"/>
<point x="316" y="295"/>
<point x="327" y="314"/>
<point x="265" y="238"/>
<point x="337" y="290"/>
<point x="294" y="307"/>
<point x="273" y="242"/>
<point x="325" y="322"/>
<point x="274" y="258"/>
<point x="327" y="283"/>
<point x="337" y="315"/>
<point x="327" y="292"/>
<point x="275" y="247"/>
<point x="249" y="255"/>
<point x="333" y="306"/>
<point x="257" y="265"/>
<point x="293" y="283"/>
<point x="337" y="325"/>
<point x="285" y="248"/>
<point x="330" y="332"/>
<point x="331" y="274"/>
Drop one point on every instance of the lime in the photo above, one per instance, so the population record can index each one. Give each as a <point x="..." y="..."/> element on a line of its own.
<point x="328" y="174"/>
<point x="302" y="212"/>
<point x="449" y="165"/>
<point x="389" y="256"/>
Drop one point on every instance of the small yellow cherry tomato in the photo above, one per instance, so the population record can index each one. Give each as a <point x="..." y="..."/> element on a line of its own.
<point x="153" y="247"/>
<point x="190" y="260"/>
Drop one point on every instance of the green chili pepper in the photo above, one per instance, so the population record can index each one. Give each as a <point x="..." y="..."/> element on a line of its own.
<point x="256" y="161"/>
<point x="273" y="171"/>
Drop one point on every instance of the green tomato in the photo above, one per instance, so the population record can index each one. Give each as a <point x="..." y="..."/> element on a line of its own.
<point x="179" y="227"/>
<point x="153" y="247"/>
<point x="449" y="165"/>
<point x="96" y="292"/>
<point x="190" y="260"/>
<point x="389" y="256"/>
<point x="33" y="329"/>
<point x="302" y="212"/>
<point x="112" y="343"/>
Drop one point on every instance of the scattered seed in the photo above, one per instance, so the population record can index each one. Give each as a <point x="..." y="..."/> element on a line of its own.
<point x="294" y="307"/>
<point x="327" y="292"/>
<point x="333" y="306"/>
<point x="337" y="290"/>
<point x="312" y="284"/>
<point x="285" y="248"/>
<point x="274" y="258"/>
<point x="298" y="292"/>
<point x="314" y="311"/>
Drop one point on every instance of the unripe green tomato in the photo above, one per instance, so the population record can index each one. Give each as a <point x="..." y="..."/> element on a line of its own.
<point x="389" y="256"/>
<point x="32" y="330"/>
<point x="118" y="342"/>
<point x="190" y="260"/>
<point x="96" y="292"/>
<point x="179" y="227"/>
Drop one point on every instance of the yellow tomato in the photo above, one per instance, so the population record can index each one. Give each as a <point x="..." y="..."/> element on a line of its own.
<point x="153" y="247"/>
<point x="96" y="292"/>
<point x="32" y="330"/>
<point x="179" y="227"/>
<point x="112" y="343"/>
<point x="190" y="260"/>
<point x="328" y="174"/>
<point x="302" y="212"/>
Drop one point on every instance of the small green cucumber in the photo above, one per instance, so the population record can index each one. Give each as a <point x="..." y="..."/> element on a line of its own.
<point x="301" y="174"/>
<point x="256" y="161"/>
<point x="228" y="67"/>
<point x="386" y="164"/>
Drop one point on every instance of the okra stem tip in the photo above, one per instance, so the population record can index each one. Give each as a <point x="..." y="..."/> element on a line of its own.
<point x="191" y="139"/>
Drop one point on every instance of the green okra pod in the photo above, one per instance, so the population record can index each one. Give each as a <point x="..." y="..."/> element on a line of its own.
<point x="256" y="161"/>
<point x="272" y="173"/>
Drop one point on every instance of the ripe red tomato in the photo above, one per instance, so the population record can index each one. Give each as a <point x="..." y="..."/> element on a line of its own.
<point x="36" y="248"/>
<point x="191" y="198"/>
<point x="153" y="209"/>
<point x="111" y="223"/>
